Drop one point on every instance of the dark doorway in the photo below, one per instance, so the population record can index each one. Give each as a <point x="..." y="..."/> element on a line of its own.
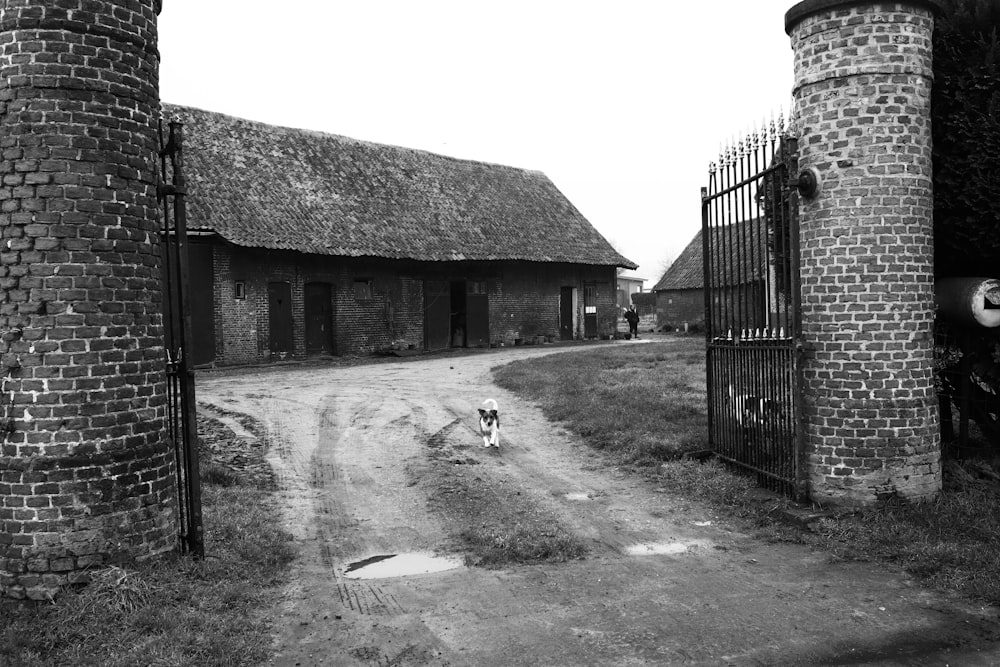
<point x="477" y="316"/>
<point x="566" y="313"/>
<point x="201" y="298"/>
<point x="458" y="313"/>
<point x="279" y="296"/>
<point x="437" y="314"/>
<point x="319" y="318"/>
<point x="590" y="311"/>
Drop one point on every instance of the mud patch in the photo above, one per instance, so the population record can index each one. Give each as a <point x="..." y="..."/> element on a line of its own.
<point x="229" y="444"/>
<point x="656" y="549"/>
<point x="440" y="439"/>
<point x="665" y="548"/>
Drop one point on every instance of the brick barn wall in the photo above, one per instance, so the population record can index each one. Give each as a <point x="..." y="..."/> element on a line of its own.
<point x="862" y="95"/>
<point x="677" y="307"/>
<point x="361" y="326"/>
<point x="523" y="299"/>
<point x="394" y="312"/>
<point x="86" y="474"/>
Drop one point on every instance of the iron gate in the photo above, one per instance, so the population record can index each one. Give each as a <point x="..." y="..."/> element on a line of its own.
<point x="751" y="277"/>
<point x="182" y="427"/>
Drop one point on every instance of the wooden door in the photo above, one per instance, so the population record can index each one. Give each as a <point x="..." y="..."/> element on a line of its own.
<point x="590" y="311"/>
<point x="279" y="296"/>
<point x="437" y="314"/>
<point x="201" y="297"/>
<point x="566" y="313"/>
<point x="477" y="315"/>
<point x="319" y="318"/>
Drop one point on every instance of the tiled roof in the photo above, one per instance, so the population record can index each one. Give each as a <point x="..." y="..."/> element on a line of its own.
<point x="737" y="267"/>
<point x="264" y="186"/>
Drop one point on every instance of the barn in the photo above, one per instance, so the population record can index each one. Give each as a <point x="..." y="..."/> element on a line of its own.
<point x="744" y="281"/>
<point x="304" y="243"/>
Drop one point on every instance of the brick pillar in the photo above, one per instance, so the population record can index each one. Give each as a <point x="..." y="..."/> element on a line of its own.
<point x="85" y="466"/>
<point x="862" y="106"/>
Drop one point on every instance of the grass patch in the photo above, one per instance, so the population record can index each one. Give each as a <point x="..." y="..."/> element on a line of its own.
<point x="171" y="610"/>
<point x="496" y="522"/>
<point x="645" y="405"/>
<point x="497" y="547"/>
<point x="952" y="542"/>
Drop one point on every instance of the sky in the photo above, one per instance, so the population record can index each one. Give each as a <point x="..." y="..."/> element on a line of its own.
<point x="621" y="103"/>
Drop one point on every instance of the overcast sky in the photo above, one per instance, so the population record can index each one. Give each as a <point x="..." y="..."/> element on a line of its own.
<point x="622" y="103"/>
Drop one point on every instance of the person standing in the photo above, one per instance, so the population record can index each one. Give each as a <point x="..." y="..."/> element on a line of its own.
<point x="632" y="318"/>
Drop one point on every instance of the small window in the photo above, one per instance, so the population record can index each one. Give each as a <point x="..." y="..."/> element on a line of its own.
<point x="363" y="289"/>
<point x="239" y="290"/>
<point x="477" y="287"/>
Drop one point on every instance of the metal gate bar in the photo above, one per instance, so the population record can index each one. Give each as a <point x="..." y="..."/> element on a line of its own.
<point x="182" y="426"/>
<point x="752" y="312"/>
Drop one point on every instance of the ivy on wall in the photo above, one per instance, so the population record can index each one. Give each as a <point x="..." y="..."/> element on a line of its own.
<point x="966" y="132"/>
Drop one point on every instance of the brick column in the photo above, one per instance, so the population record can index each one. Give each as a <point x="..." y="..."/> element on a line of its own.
<point x="85" y="466"/>
<point x="862" y="106"/>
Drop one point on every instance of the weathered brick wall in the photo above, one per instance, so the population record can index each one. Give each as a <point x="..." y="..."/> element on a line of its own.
<point x="862" y="95"/>
<point x="86" y="471"/>
<point x="236" y="319"/>
<point x="677" y="307"/>
<point x="394" y="311"/>
<point x="523" y="300"/>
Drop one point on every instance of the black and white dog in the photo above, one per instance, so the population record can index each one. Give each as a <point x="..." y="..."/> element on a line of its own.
<point x="489" y="424"/>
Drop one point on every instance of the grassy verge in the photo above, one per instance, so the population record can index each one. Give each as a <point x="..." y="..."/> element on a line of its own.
<point x="174" y="610"/>
<point x="645" y="406"/>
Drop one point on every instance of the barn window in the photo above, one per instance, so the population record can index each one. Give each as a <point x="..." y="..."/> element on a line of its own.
<point x="239" y="290"/>
<point x="363" y="289"/>
<point x="477" y="287"/>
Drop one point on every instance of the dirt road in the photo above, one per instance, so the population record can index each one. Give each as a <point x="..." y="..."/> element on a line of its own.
<point x="665" y="582"/>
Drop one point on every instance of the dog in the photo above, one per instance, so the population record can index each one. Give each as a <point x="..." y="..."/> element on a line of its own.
<point x="489" y="424"/>
<point x="756" y="416"/>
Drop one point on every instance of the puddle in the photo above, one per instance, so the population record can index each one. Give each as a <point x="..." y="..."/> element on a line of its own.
<point x="358" y="564"/>
<point x="400" y="565"/>
<point x="576" y="496"/>
<point x="657" y="548"/>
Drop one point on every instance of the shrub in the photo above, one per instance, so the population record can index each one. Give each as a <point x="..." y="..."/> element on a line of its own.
<point x="966" y="135"/>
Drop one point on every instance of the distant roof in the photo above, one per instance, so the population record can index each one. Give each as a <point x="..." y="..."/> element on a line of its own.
<point x="687" y="271"/>
<point x="265" y="186"/>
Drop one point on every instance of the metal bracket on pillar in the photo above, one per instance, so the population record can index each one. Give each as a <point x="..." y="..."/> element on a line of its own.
<point x="807" y="182"/>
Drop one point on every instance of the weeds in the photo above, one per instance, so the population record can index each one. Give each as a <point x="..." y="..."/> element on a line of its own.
<point x="496" y="547"/>
<point x="172" y="610"/>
